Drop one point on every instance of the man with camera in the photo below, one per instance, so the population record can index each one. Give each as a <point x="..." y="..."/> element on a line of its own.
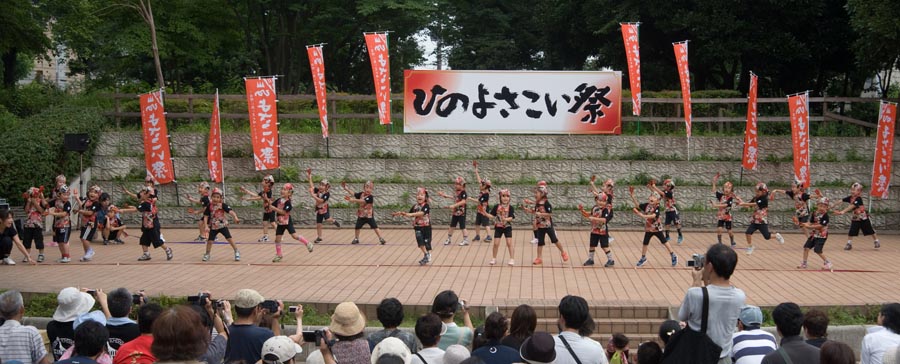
<point x="713" y="271"/>
<point x="245" y="335"/>
<point x="121" y="328"/>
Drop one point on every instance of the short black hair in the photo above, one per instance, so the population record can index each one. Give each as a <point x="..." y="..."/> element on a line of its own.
<point x="723" y="259"/>
<point x="890" y="313"/>
<point x="575" y="311"/>
<point x="445" y="304"/>
<point x="788" y="319"/>
<point x="119" y="302"/>
<point x="649" y="353"/>
<point x="147" y="315"/>
<point x="816" y="323"/>
<point x="620" y="341"/>
<point x="428" y="329"/>
<point x="390" y="312"/>
<point x="495" y="326"/>
<point x="104" y="196"/>
<point x="204" y="316"/>
<point x="90" y="338"/>
<point x="667" y="329"/>
<point x="389" y="359"/>
<point x="243" y="311"/>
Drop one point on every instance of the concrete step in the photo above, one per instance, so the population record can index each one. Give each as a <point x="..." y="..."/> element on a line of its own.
<point x="610" y="326"/>
<point x="601" y="312"/>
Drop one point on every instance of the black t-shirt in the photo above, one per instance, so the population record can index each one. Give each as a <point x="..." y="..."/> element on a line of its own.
<point x="484" y="198"/>
<point x="204" y="200"/>
<point x="245" y="343"/>
<point x="9" y="232"/>
<point x="121" y="334"/>
<point x="762" y="202"/>
<point x="61" y="336"/>
<point x="496" y="211"/>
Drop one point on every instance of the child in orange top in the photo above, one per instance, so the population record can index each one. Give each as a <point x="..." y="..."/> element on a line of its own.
<point x="760" y="218"/>
<point x="284" y="222"/>
<point x="365" y="214"/>
<point x="483" y="200"/>
<point x="214" y="217"/>
<point x="457" y="210"/>
<point x="321" y="195"/>
<point x="543" y="220"/>
<point x="818" y="227"/>
<point x="860" y="219"/>
<point x="421" y="215"/>
<point x="672" y="217"/>
<point x="33" y="229"/>
<point x="801" y="203"/>
<point x="649" y="211"/>
<point x="725" y="201"/>
<point x="203" y="201"/>
<point x="599" y="216"/>
<point x="265" y="195"/>
<point x="503" y="215"/>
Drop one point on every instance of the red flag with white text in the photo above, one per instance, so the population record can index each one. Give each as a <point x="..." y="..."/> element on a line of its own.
<point x="317" y="67"/>
<point x="681" y="58"/>
<point x="157" y="157"/>
<point x="798" y="104"/>
<point x="263" y="110"/>
<point x="750" y="160"/>
<point x="633" y="55"/>
<point x="377" y="45"/>
<point x="884" y="150"/>
<point x="214" y="145"/>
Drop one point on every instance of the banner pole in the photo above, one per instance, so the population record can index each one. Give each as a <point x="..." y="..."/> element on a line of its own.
<point x="162" y="96"/>
<point x="327" y="148"/>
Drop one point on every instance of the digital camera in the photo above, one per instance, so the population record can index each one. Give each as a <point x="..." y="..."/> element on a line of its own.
<point x="270" y="305"/>
<point x="697" y="261"/>
<point x="199" y="300"/>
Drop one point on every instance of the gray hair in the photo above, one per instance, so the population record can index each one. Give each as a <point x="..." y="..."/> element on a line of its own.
<point x="10" y="303"/>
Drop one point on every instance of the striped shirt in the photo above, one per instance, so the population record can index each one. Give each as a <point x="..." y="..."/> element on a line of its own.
<point x="22" y="343"/>
<point x="750" y="346"/>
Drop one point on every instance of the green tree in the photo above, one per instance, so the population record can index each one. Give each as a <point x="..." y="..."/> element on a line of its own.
<point x="878" y="46"/>
<point x="22" y="34"/>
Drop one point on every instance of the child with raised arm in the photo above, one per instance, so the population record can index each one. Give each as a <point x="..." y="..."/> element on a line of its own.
<point x="818" y="227"/>
<point x="543" y="219"/>
<point x="365" y="213"/>
<point x="150" y="227"/>
<point x="760" y="218"/>
<point x="215" y="218"/>
<point x="284" y="222"/>
<point x="725" y="201"/>
<point x="672" y="217"/>
<point x="88" y="212"/>
<point x="860" y="219"/>
<point x="649" y="211"/>
<point x="203" y="201"/>
<point x="599" y="216"/>
<point x="503" y="215"/>
<point x="607" y="188"/>
<point x="33" y="230"/>
<point x="457" y="210"/>
<point x="801" y="203"/>
<point x="264" y="195"/>
<point x="321" y="195"/>
<point x="421" y="215"/>
<point x="483" y="199"/>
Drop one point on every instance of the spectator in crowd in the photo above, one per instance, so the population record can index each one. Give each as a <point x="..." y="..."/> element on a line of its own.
<point x="121" y="328"/>
<point x="574" y="341"/>
<point x="348" y="325"/>
<point x="390" y="314"/>
<point x="179" y="336"/>
<point x="137" y="351"/>
<point x="617" y="349"/>
<point x="245" y="336"/>
<point x="445" y="305"/>
<point x="750" y="344"/>
<point x="495" y="326"/>
<point x="91" y="339"/>
<point x="473" y="360"/>
<point x="892" y="355"/>
<point x="17" y="341"/>
<point x="667" y="329"/>
<point x="429" y="330"/>
<point x="95" y="316"/>
<point x="815" y="324"/>
<point x="521" y="326"/>
<point x="71" y="304"/>
<point x="836" y="352"/>
<point x="887" y="335"/>
<point x="788" y="321"/>
<point x="539" y="348"/>
<point x="391" y="350"/>
<point x="725" y="300"/>
<point x="215" y="325"/>
<point x="280" y="350"/>
<point x="456" y="354"/>
<point x="478" y="339"/>
<point x="649" y="353"/>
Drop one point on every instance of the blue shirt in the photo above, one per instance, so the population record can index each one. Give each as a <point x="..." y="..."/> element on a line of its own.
<point x="495" y="353"/>
<point x="246" y="342"/>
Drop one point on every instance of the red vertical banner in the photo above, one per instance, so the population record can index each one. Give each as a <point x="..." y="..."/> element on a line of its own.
<point x="884" y="150"/>
<point x="317" y="67"/>
<point x="378" y="55"/>
<point x="681" y="58"/>
<point x="750" y="158"/>
<point x="157" y="157"/>
<point x="214" y="145"/>
<point x="263" y="110"/>
<point x="633" y="55"/>
<point x="798" y="104"/>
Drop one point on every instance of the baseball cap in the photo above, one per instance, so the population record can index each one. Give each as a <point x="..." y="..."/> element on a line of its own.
<point x="282" y="347"/>
<point x="751" y="315"/>
<point x="248" y="298"/>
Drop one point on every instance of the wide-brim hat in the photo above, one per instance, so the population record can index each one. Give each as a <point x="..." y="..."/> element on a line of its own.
<point x="393" y="346"/>
<point x="71" y="304"/>
<point x="347" y="320"/>
<point x="540" y="348"/>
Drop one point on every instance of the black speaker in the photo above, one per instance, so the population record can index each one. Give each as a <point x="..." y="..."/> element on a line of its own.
<point x="76" y="142"/>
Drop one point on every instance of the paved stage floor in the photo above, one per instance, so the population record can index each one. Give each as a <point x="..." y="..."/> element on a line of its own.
<point x="366" y="273"/>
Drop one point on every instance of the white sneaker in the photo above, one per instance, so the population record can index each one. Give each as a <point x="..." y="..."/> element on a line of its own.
<point x="779" y="238"/>
<point x="534" y="241"/>
<point x="447" y="241"/>
<point x="64" y="260"/>
<point x="89" y="254"/>
<point x="9" y="261"/>
<point x="206" y="257"/>
<point x="464" y="242"/>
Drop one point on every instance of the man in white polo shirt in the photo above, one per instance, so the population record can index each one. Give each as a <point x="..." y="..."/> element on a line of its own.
<point x="574" y="340"/>
<point x="19" y="342"/>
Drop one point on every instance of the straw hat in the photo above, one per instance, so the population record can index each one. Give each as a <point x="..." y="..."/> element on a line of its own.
<point x="347" y="320"/>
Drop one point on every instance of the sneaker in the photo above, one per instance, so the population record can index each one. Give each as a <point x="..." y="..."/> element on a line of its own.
<point x="609" y="263"/>
<point x="337" y="224"/>
<point x="237" y="256"/>
<point x="63" y="260"/>
<point x="680" y="239"/>
<point x="611" y="239"/>
<point x="674" y="260"/>
<point x="779" y="238"/>
<point x="382" y="241"/>
<point x="565" y="256"/>
<point x="477" y="238"/>
<point x="428" y="258"/>
<point x="588" y="262"/>
<point x="493" y="261"/>
<point x="24" y="259"/>
<point x="828" y="266"/>
<point x="355" y="241"/>
<point x="105" y="242"/>
<point x="85" y="259"/>
<point x="144" y="257"/>
<point x="40" y="258"/>
<point x="750" y="249"/>
<point x="802" y="266"/>
<point x="511" y="263"/>
<point x="88" y="255"/>
<point x="423" y="261"/>
<point x="169" y="254"/>
<point x="205" y="257"/>
<point x="534" y="241"/>
<point x="668" y="238"/>
<point x="200" y="238"/>
<point x="262" y="239"/>
<point x="9" y="261"/>
<point x="641" y="262"/>
<point x="877" y="244"/>
<point x="447" y="241"/>
<point x="277" y="259"/>
<point x="537" y="261"/>
<point x="318" y="240"/>
<point x="849" y="246"/>
<point x="309" y="246"/>
<point x="733" y="244"/>
<point x="464" y="242"/>
<point x="488" y="239"/>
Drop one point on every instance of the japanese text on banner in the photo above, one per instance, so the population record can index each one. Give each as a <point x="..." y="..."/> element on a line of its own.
<point x="157" y="158"/>
<point x="381" y="71"/>
<point x="317" y="68"/>
<point x="750" y="160"/>
<point x="884" y="150"/>
<point x="633" y="54"/>
<point x="799" y="109"/>
<point x="262" y="106"/>
<point x="681" y="58"/>
<point x="214" y="146"/>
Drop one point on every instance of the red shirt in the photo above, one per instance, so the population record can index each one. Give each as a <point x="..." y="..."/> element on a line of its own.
<point x="136" y="351"/>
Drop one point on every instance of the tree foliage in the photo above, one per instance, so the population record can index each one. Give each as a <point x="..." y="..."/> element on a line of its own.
<point x="878" y="46"/>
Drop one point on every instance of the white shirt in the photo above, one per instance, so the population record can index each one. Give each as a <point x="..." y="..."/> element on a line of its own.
<point x="724" y="307"/>
<point x="875" y="344"/>
<point x="432" y="355"/>
<point x="587" y="350"/>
